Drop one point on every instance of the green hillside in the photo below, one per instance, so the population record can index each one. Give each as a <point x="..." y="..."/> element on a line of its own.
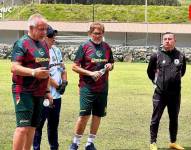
<point x="105" y="13"/>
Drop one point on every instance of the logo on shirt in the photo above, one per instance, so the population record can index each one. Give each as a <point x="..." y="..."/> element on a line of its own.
<point x="176" y="61"/>
<point x="94" y="60"/>
<point x="53" y="58"/>
<point x="38" y="59"/>
<point x="41" y="52"/>
<point x="23" y="121"/>
<point x="99" y="53"/>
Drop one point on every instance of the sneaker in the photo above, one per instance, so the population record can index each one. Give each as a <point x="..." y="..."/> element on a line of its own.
<point x="73" y="146"/>
<point x="90" y="147"/>
<point x="153" y="146"/>
<point x="175" y="146"/>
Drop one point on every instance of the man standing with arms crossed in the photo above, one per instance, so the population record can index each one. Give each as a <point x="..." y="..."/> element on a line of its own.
<point x="30" y="60"/>
<point x="165" y="70"/>
<point x="58" y="82"/>
<point x="92" y="56"/>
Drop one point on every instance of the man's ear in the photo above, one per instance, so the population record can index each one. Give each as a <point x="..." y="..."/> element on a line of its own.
<point x="31" y="27"/>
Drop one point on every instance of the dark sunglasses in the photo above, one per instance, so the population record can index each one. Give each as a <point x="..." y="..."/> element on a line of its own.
<point x="51" y="35"/>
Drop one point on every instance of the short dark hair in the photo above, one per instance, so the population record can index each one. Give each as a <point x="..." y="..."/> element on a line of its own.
<point x="168" y="33"/>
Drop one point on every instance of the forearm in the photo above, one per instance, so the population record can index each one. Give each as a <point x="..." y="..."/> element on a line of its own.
<point x="20" y="70"/>
<point x="53" y="83"/>
<point x="81" y="71"/>
<point x="48" y="85"/>
<point x="183" y="67"/>
<point x="64" y="75"/>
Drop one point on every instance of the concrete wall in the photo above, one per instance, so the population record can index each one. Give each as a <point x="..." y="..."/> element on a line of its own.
<point x="183" y="40"/>
<point x="9" y="37"/>
<point x="113" y="38"/>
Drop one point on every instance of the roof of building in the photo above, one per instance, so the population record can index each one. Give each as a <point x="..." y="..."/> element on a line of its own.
<point x="109" y="27"/>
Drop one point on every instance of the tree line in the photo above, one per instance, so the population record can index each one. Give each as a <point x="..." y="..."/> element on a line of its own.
<point x="116" y="2"/>
<point x="89" y="2"/>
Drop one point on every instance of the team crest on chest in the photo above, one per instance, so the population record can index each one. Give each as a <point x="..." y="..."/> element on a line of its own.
<point x="99" y="54"/>
<point x="41" y="52"/>
<point x="176" y="61"/>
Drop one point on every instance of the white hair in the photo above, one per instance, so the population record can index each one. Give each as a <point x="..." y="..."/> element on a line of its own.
<point x="33" y="20"/>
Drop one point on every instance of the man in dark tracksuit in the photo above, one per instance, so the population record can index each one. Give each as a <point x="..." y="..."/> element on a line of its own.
<point x="165" y="69"/>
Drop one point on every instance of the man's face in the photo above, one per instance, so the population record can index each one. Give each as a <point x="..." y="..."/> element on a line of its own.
<point x="39" y="31"/>
<point x="169" y="42"/>
<point x="50" y="41"/>
<point x="97" y="36"/>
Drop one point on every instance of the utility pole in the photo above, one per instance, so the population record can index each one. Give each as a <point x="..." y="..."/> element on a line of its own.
<point x="13" y="2"/>
<point x="146" y="21"/>
<point x="3" y="16"/>
<point x="93" y="11"/>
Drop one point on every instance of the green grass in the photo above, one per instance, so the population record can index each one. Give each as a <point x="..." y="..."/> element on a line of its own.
<point x="105" y="13"/>
<point x="126" y="125"/>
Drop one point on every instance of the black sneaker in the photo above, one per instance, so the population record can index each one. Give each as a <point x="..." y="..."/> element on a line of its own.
<point x="90" y="147"/>
<point x="73" y="146"/>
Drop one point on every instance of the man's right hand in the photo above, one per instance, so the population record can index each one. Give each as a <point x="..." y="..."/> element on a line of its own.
<point x="95" y="75"/>
<point x="41" y="73"/>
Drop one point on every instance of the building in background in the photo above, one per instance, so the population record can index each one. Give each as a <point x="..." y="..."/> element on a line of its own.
<point x="124" y="34"/>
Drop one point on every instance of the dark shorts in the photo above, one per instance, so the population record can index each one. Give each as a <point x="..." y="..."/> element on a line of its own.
<point x="28" y="109"/>
<point x="93" y="103"/>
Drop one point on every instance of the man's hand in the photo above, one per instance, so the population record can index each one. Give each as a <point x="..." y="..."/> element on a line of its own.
<point x="41" y="73"/>
<point x="50" y="98"/>
<point x="61" y="87"/>
<point x="109" y="66"/>
<point x="95" y="75"/>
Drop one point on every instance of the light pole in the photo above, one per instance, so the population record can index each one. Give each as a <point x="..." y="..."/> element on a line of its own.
<point x="3" y="12"/>
<point x="146" y="21"/>
<point x="93" y="11"/>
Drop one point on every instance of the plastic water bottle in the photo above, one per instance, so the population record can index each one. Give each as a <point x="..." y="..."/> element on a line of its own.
<point x="46" y="103"/>
<point x="102" y="72"/>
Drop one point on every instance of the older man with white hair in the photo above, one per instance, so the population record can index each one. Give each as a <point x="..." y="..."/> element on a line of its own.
<point x="30" y="60"/>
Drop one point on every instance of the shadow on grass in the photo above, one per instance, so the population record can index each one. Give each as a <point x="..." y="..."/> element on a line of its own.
<point x="185" y="148"/>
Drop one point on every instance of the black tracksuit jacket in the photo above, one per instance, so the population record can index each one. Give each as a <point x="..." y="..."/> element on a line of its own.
<point x="165" y="69"/>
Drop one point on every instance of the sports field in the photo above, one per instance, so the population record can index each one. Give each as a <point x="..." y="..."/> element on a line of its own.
<point x="129" y="109"/>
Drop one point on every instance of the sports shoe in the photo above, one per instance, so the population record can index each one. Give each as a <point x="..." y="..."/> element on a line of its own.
<point x="175" y="146"/>
<point x="90" y="147"/>
<point x="153" y="146"/>
<point x="73" y="146"/>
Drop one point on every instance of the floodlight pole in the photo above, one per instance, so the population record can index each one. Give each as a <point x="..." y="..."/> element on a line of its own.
<point x="93" y="11"/>
<point x="3" y="13"/>
<point x="146" y="21"/>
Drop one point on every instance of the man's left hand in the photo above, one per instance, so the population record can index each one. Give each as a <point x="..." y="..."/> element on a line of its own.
<point x="61" y="87"/>
<point x="50" y="98"/>
<point x="109" y="66"/>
